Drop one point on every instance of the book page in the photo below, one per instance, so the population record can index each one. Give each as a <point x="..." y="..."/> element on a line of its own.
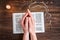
<point x="39" y="22"/>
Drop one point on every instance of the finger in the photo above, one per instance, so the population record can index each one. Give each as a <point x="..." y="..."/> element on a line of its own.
<point x="32" y="19"/>
<point x="24" y="19"/>
<point x="28" y="10"/>
<point x="26" y="22"/>
<point x="30" y="22"/>
<point x="29" y="13"/>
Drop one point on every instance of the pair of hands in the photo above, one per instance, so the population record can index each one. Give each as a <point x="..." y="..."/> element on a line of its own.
<point x="27" y="23"/>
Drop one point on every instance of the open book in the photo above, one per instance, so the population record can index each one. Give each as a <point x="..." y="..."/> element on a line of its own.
<point x="39" y="22"/>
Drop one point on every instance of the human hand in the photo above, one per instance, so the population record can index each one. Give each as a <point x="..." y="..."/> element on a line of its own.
<point x="24" y="23"/>
<point x="31" y="26"/>
<point x="31" y="22"/>
<point x="28" y="25"/>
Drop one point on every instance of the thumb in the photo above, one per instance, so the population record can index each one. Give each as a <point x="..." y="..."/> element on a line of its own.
<point x="30" y="22"/>
<point x="26" y="22"/>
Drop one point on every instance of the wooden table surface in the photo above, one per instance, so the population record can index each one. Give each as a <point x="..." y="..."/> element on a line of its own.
<point x="52" y="31"/>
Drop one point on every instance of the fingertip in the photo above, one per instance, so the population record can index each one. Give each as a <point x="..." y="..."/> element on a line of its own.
<point x="28" y="11"/>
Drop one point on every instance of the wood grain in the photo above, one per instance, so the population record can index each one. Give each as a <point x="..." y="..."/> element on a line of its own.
<point x="52" y="31"/>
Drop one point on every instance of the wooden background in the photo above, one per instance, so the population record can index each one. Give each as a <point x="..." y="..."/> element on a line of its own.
<point x="52" y="30"/>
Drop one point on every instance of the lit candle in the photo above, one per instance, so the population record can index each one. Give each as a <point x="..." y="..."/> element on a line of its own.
<point x="8" y="7"/>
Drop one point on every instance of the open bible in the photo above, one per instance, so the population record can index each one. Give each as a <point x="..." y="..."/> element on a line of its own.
<point x="39" y="22"/>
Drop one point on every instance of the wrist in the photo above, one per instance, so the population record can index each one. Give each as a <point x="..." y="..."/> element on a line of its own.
<point x="25" y="32"/>
<point x="32" y="33"/>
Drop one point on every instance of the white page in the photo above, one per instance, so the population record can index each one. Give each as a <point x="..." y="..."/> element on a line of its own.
<point x="39" y="22"/>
